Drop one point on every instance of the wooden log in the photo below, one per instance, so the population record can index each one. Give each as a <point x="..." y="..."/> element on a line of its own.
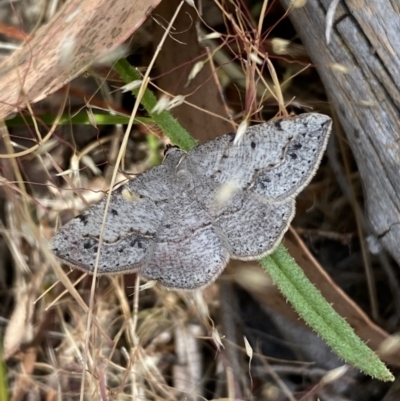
<point x="360" y="69"/>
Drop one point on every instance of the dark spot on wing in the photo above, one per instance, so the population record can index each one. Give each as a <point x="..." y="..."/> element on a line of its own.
<point x="114" y="212"/>
<point x="253" y="145"/>
<point x="83" y="218"/>
<point x="87" y="245"/>
<point x="293" y="155"/>
<point x="232" y="136"/>
<point x="264" y="182"/>
<point x="297" y="146"/>
<point x="136" y="242"/>
<point x="278" y="125"/>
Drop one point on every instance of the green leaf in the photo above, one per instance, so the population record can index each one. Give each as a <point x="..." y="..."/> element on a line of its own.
<point x="81" y="118"/>
<point x="320" y="316"/>
<point x="3" y="375"/>
<point x="169" y="125"/>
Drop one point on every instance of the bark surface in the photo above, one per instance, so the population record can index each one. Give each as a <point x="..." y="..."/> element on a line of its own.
<point x="360" y="69"/>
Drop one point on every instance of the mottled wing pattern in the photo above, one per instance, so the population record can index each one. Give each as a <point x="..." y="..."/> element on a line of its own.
<point x="276" y="159"/>
<point x="132" y="223"/>
<point x="189" y="251"/>
<point x="224" y="162"/>
<point x="123" y="249"/>
<point x="266" y="169"/>
<point x="302" y="157"/>
<point x="179" y="223"/>
<point x="257" y="228"/>
<point x="251" y="225"/>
